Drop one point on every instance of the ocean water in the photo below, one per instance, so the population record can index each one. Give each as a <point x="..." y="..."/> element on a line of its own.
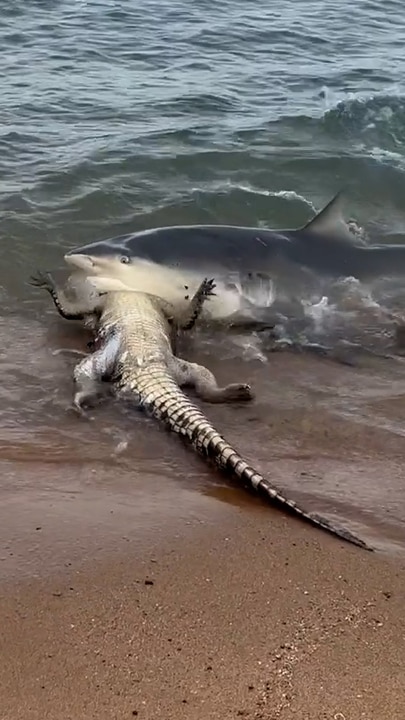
<point x="117" y="116"/>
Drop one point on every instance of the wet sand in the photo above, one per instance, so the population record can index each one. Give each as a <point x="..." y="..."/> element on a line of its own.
<point x="135" y="582"/>
<point x="233" y="612"/>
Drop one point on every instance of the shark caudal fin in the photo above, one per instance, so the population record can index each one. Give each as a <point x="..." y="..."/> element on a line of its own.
<point x="330" y="220"/>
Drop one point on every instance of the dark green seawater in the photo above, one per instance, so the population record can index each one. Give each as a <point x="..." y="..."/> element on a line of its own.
<point x="117" y="116"/>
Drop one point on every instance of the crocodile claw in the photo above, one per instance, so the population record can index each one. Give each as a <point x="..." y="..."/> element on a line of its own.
<point x="207" y="287"/>
<point x="42" y="280"/>
<point x="78" y="408"/>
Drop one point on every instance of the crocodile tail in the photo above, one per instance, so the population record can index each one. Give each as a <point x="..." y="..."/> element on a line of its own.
<point x="230" y="460"/>
<point x="162" y="397"/>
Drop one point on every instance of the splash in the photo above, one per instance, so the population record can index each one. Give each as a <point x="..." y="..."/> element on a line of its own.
<point x="345" y="311"/>
<point x="376" y="120"/>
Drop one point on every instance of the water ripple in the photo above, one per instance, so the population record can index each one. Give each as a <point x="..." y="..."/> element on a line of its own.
<point x="118" y="116"/>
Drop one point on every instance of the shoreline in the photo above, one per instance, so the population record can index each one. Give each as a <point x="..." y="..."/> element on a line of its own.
<point x="142" y="584"/>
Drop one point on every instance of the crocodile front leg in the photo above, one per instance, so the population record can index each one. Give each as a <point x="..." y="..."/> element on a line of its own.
<point x="68" y="309"/>
<point x="193" y="312"/>
<point x="187" y="319"/>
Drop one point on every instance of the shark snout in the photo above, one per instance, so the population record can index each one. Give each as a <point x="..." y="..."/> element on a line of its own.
<point x="79" y="261"/>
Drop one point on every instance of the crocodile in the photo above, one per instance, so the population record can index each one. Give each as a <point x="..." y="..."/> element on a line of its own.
<point x="155" y="321"/>
<point x="134" y="331"/>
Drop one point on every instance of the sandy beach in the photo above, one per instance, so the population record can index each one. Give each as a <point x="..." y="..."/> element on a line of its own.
<point x="153" y="589"/>
<point x="136" y="581"/>
<point x="249" y="614"/>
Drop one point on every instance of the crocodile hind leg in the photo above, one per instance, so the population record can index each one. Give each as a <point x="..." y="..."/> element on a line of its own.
<point x="90" y="371"/>
<point x="205" y="384"/>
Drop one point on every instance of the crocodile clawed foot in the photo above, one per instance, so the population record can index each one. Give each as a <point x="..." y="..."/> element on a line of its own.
<point x="78" y="408"/>
<point x="42" y="280"/>
<point x="207" y="287"/>
<point x="82" y="413"/>
<point x="238" y="391"/>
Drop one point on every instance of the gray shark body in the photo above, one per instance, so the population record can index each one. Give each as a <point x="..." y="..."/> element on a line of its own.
<point x="183" y="254"/>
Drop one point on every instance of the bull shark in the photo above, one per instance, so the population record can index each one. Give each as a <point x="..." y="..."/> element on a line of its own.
<point x="170" y="261"/>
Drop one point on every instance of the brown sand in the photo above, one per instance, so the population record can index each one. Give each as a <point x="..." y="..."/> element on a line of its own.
<point x="126" y="596"/>
<point x="254" y="616"/>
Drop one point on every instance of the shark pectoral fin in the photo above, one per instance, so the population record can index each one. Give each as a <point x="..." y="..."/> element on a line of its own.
<point x="330" y="220"/>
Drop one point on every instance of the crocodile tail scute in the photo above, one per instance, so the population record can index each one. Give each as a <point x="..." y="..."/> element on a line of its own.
<point x="230" y="460"/>
<point x="168" y="403"/>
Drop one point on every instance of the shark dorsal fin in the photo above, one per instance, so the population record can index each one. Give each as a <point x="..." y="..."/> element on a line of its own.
<point x="330" y="220"/>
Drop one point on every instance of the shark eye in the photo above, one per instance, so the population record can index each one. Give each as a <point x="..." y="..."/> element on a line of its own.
<point x="124" y="259"/>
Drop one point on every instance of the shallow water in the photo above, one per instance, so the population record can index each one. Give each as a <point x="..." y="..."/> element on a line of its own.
<point x="115" y="119"/>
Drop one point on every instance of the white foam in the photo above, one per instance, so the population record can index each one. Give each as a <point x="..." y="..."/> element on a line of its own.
<point x="347" y="305"/>
<point x="387" y="156"/>
<point x="219" y="186"/>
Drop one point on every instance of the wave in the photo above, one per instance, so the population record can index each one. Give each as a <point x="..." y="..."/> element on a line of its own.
<point x="377" y="118"/>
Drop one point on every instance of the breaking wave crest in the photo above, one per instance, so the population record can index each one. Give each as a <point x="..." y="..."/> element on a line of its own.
<point x="379" y="120"/>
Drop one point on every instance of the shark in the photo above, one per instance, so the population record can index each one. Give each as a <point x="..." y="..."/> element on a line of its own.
<point x="246" y="261"/>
